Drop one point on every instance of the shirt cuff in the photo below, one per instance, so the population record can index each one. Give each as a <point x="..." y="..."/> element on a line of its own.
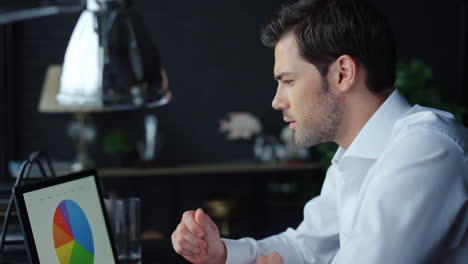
<point x="239" y="251"/>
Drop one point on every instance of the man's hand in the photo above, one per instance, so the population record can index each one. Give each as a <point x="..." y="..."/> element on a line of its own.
<point x="273" y="258"/>
<point x="197" y="239"/>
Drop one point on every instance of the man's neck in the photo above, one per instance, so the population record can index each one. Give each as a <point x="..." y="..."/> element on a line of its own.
<point x="359" y="107"/>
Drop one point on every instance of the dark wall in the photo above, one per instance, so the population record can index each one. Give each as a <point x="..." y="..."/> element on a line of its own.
<point x="6" y="116"/>
<point x="216" y="64"/>
<point x="432" y="31"/>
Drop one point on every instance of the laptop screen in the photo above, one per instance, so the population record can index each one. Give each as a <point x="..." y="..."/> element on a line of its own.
<point x="67" y="223"/>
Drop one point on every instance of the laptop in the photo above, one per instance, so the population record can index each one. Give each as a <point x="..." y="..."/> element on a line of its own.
<point x="64" y="220"/>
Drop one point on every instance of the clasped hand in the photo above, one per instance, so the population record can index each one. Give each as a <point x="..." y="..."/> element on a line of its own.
<point x="197" y="239"/>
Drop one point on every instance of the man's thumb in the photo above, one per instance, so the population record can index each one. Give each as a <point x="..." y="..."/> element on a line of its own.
<point x="204" y="220"/>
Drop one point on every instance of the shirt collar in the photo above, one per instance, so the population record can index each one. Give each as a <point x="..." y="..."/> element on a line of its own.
<point x="374" y="136"/>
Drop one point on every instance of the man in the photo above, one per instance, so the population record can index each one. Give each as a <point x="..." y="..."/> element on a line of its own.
<point x="397" y="189"/>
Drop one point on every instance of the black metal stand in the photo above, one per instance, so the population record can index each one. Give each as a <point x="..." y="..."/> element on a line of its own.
<point x="34" y="158"/>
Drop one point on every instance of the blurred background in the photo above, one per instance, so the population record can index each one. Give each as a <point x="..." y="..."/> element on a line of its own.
<point x="215" y="64"/>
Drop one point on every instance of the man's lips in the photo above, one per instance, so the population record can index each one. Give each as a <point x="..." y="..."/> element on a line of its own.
<point x="292" y="123"/>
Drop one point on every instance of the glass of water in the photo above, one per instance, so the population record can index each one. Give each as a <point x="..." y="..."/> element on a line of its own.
<point x="127" y="229"/>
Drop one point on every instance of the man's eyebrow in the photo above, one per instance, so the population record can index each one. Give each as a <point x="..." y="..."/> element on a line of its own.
<point x="281" y="75"/>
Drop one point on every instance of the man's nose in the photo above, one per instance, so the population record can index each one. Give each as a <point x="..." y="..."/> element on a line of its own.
<point x="280" y="101"/>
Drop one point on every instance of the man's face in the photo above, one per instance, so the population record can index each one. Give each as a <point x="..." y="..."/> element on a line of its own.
<point x="313" y="112"/>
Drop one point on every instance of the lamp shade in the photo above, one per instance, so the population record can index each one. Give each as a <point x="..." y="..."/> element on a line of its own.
<point x="110" y="63"/>
<point x="48" y="102"/>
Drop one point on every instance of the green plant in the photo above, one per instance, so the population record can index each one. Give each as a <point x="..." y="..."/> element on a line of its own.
<point x="117" y="143"/>
<point x="327" y="151"/>
<point x="414" y="79"/>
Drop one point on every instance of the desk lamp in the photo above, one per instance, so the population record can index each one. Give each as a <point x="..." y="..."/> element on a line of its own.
<point x="110" y="64"/>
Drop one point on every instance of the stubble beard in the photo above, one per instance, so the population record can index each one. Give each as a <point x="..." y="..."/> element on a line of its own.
<point x="325" y="130"/>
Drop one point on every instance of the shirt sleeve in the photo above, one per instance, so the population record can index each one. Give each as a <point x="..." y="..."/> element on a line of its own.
<point x="315" y="240"/>
<point x="415" y="206"/>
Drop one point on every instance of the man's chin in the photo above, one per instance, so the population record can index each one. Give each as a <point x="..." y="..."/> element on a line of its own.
<point x="304" y="143"/>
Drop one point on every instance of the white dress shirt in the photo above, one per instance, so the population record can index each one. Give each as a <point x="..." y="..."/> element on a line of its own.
<point x="397" y="195"/>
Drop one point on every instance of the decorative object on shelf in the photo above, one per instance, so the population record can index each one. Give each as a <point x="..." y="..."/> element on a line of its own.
<point x="222" y="210"/>
<point x="240" y="125"/>
<point x="147" y="149"/>
<point x="110" y="64"/>
<point x="244" y="125"/>
<point x="267" y="147"/>
<point x="291" y="151"/>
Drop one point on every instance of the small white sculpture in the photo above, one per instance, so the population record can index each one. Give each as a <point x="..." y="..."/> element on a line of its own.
<point x="267" y="148"/>
<point x="240" y="125"/>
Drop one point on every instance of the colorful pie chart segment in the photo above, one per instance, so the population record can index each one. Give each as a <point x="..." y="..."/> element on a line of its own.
<point x="73" y="239"/>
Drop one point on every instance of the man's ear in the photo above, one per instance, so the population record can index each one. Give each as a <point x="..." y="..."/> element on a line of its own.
<point x="343" y="72"/>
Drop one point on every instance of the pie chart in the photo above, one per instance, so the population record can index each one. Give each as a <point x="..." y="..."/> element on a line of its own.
<point x="73" y="239"/>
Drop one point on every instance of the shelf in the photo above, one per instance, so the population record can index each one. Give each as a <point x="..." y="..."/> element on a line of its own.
<point x="205" y="169"/>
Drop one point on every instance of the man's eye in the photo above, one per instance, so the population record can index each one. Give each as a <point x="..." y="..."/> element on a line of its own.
<point x="288" y="82"/>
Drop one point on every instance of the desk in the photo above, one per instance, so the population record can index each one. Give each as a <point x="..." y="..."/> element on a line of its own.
<point x="16" y="254"/>
<point x="167" y="192"/>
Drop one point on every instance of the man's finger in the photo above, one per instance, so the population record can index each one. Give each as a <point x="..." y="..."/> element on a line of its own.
<point x="260" y="260"/>
<point x="185" y="253"/>
<point x="194" y="240"/>
<point x="184" y="247"/>
<point x="188" y="218"/>
<point x="272" y="258"/>
<point x="204" y="220"/>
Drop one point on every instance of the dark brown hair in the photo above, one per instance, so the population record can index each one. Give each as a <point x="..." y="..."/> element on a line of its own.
<point x="327" y="29"/>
